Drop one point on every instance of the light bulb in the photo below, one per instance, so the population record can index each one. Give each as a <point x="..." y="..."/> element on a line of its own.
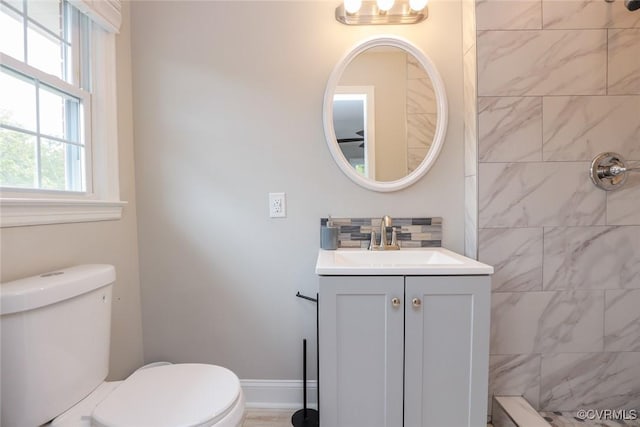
<point x="418" y="5"/>
<point x="352" y="6"/>
<point x="385" y="5"/>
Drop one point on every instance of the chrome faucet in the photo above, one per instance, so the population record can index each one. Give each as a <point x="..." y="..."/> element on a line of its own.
<point x="384" y="245"/>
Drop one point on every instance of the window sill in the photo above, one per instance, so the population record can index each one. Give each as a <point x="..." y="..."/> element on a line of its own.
<point x="24" y="212"/>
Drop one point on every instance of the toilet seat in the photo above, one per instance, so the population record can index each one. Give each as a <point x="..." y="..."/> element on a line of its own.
<point x="181" y="395"/>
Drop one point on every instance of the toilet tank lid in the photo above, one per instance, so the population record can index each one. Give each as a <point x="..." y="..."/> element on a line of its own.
<point x="48" y="288"/>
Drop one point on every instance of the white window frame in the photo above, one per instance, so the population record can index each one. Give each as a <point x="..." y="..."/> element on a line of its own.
<point x="43" y="79"/>
<point x="101" y="200"/>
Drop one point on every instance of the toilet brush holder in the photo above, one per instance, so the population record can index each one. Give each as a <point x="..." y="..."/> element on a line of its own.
<point x="305" y="417"/>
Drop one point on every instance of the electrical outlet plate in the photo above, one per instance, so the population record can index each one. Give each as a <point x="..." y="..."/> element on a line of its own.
<point x="277" y="205"/>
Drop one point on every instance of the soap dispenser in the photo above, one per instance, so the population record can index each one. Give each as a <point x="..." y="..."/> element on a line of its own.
<point x="329" y="236"/>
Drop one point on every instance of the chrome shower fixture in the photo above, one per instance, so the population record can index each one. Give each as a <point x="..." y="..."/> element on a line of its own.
<point x="629" y="4"/>
<point x="609" y="171"/>
<point x="632" y="4"/>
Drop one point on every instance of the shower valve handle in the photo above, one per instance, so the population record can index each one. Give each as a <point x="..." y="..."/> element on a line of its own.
<point x="609" y="171"/>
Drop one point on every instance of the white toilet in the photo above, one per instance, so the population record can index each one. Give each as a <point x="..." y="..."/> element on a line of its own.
<point x="55" y="331"/>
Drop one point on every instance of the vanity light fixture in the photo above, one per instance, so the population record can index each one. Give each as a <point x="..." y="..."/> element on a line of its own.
<point x="418" y="4"/>
<point x="352" y="6"/>
<point x="385" y="5"/>
<point x="358" y="12"/>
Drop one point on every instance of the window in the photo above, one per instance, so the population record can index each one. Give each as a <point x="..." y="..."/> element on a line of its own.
<point x="58" y="147"/>
<point x="43" y="110"/>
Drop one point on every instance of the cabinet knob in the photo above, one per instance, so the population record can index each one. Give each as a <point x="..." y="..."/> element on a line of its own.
<point x="416" y="302"/>
<point x="395" y="302"/>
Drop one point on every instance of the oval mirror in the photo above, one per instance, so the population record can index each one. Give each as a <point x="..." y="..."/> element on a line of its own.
<point x="385" y="113"/>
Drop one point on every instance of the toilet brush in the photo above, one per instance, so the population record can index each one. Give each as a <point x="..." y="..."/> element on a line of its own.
<point x="305" y="417"/>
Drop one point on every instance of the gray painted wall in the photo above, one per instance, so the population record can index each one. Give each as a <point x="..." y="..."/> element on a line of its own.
<point x="228" y="107"/>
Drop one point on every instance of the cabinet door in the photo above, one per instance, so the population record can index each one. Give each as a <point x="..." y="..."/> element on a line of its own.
<point x="447" y="351"/>
<point x="361" y="351"/>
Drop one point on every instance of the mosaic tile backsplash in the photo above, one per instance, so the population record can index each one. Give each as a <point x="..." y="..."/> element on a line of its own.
<point x="411" y="232"/>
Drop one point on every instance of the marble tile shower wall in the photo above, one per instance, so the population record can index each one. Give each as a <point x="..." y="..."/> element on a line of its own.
<point x="558" y="83"/>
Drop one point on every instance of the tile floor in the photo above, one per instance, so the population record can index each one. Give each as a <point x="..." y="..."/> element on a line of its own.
<point x="268" y="418"/>
<point x="282" y="418"/>
<point x="568" y="419"/>
<point x="271" y="418"/>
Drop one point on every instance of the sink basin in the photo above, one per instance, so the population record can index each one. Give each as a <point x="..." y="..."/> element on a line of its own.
<point x="423" y="261"/>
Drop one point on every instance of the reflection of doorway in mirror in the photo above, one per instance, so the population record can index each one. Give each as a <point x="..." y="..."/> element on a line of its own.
<point x="385" y="69"/>
<point x="354" y="124"/>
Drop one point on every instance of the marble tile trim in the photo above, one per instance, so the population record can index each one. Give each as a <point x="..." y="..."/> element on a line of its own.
<point x="521" y="412"/>
<point x="547" y="322"/>
<point x="470" y="95"/>
<point x="411" y="232"/>
<point x="533" y="63"/>
<point x="591" y="258"/>
<point x="571" y="381"/>
<point x="499" y="417"/>
<point x="471" y="216"/>
<point x="538" y="194"/>
<point x="468" y="24"/>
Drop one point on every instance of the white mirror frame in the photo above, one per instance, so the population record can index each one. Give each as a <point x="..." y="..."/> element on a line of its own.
<point x="441" y="123"/>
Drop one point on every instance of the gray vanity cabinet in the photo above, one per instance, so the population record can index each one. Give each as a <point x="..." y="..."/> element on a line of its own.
<point x="361" y="351"/>
<point x="404" y="351"/>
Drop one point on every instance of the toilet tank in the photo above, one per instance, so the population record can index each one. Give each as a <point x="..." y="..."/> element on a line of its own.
<point x="55" y="333"/>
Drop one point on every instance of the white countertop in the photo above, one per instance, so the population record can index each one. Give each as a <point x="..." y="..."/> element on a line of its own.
<point x="418" y="262"/>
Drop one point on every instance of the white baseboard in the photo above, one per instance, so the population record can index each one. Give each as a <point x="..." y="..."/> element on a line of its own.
<point x="278" y="394"/>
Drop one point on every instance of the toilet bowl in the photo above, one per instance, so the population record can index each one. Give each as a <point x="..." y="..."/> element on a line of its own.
<point x="162" y="395"/>
<point x="55" y="357"/>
